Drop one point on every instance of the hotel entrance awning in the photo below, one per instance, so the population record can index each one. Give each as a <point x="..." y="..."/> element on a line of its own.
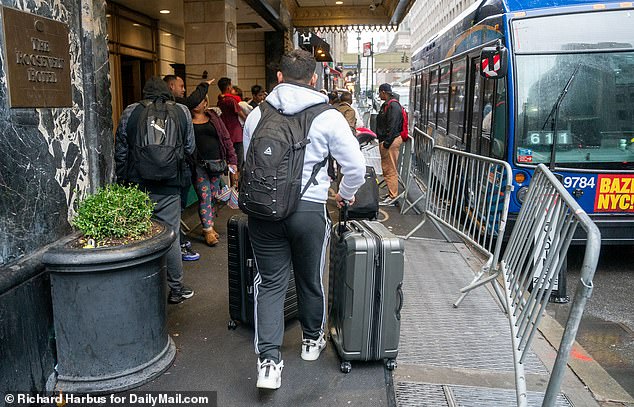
<point x="327" y="15"/>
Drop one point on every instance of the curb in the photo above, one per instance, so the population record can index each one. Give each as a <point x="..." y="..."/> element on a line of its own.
<point x="602" y="386"/>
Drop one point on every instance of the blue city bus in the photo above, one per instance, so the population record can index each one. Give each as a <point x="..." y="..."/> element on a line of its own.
<point x="539" y="81"/>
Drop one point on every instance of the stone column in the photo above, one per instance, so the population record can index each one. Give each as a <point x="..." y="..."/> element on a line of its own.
<point x="210" y="40"/>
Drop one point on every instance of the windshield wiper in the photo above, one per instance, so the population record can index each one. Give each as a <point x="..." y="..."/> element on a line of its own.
<point x="553" y="116"/>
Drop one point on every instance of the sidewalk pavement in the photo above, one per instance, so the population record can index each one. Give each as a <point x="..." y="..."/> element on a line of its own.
<point x="447" y="355"/>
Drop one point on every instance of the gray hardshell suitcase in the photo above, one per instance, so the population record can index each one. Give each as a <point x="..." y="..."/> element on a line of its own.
<point x="365" y="292"/>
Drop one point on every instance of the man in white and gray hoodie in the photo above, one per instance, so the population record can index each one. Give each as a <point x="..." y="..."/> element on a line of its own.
<point x="301" y="238"/>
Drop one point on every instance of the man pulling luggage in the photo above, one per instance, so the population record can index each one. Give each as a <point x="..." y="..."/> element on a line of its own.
<point x="281" y="232"/>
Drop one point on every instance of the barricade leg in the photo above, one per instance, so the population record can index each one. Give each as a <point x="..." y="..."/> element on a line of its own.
<point x="420" y="225"/>
<point x="483" y="277"/>
<point x="412" y="205"/>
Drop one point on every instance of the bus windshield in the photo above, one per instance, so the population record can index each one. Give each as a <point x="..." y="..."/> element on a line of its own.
<point x="594" y="124"/>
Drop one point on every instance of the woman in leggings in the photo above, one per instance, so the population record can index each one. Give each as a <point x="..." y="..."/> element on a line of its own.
<point x="213" y="145"/>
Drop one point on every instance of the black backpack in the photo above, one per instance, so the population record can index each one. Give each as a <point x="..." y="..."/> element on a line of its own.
<point x="271" y="177"/>
<point x="157" y="149"/>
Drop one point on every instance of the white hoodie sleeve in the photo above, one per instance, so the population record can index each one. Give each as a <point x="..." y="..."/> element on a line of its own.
<point x="249" y="126"/>
<point x="345" y="149"/>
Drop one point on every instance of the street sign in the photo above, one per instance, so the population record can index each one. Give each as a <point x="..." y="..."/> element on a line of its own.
<point x="367" y="49"/>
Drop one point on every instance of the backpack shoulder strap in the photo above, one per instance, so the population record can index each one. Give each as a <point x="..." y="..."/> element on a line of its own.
<point x="307" y="117"/>
<point x="387" y="105"/>
<point x="311" y="113"/>
<point x="180" y="114"/>
<point x="134" y="117"/>
<point x="146" y="102"/>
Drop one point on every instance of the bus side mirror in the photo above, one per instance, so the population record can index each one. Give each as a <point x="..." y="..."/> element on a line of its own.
<point x="493" y="62"/>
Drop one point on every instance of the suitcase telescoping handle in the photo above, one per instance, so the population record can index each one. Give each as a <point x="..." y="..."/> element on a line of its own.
<point x="343" y="219"/>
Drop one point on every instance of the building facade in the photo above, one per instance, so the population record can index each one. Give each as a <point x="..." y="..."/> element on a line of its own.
<point x="69" y="67"/>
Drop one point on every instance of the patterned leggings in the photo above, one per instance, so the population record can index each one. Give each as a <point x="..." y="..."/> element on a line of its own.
<point x="206" y="186"/>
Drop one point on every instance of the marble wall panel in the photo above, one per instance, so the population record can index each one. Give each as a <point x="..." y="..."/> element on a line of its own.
<point x="51" y="157"/>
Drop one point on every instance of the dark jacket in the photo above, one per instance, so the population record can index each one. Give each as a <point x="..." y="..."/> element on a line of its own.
<point x="195" y="97"/>
<point x="125" y="168"/>
<point x="227" y="152"/>
<point x="389" y="121"/>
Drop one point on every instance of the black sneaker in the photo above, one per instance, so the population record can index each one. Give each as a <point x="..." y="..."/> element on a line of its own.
<point x="178" y="296"/>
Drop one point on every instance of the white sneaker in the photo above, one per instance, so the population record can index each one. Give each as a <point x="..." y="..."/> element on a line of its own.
<point x="387" y="201"/>
<point x="311" y="348"/>
<point x="269" y="374"/>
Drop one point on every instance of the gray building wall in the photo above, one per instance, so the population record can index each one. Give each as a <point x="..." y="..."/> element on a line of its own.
<point x="428" y="17"/>
<point x="49" y="159"/>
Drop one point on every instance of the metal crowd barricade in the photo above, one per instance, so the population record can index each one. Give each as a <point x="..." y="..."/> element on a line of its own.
<point x="470" y="194"/>
<point x="534" y="254"/>
<point x="419" y="168"/>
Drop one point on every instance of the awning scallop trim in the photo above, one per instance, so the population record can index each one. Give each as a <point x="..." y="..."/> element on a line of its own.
<point x="346" y="28"/>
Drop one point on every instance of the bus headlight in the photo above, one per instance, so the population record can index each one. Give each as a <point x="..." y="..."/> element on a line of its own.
<point x="521" y="194"/>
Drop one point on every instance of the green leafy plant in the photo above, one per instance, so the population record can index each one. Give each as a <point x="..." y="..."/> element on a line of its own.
<point x="115" y="212"/>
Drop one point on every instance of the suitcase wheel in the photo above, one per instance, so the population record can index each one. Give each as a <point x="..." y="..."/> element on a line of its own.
<point x="345" y="367"/>
<point x="231" y="325"/>
<point x="390" y="364"/>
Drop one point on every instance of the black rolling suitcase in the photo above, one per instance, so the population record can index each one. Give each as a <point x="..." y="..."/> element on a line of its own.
<point x="241" y="273"/>
<point x="365" y="292"/>
<point x="366" y="203"/>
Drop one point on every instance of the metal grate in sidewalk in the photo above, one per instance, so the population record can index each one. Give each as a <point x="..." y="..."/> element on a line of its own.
<point x="409" y="394"/>
<point x="474" y="336"/>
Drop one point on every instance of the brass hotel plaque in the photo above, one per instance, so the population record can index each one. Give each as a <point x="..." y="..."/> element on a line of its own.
<point x="37" y="60"/>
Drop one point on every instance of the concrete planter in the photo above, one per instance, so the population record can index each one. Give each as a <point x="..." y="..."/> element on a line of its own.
<point x="109" y="311"/>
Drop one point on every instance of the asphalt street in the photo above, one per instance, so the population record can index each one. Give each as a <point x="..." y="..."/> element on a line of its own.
<point x="607" y="327"/>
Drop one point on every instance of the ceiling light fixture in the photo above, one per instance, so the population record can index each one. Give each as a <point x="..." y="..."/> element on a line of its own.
<point x="339" y="2"/>
<point x="164" y="11"/>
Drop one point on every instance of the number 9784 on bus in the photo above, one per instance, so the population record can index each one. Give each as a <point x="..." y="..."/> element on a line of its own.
<point x="579" y="182"/>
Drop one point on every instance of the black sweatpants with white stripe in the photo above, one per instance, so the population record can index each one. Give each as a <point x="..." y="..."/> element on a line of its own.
<point x="302" y="239"/>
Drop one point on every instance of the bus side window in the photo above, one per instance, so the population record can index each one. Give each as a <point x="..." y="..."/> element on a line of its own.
<point x="432" y="106"/>
<point x="443" y="96"/>
<point x="415" y="103"/>
<point x="487" y="116"/>
<point x="457" y="91"/>
<point x="424" y="99"/>
<point x="498" y="141"/>
<point x="476" y="106"/>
